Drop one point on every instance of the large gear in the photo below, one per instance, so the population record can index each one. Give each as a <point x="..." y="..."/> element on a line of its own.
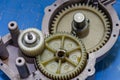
<point x="64" y="57"/>
<point x="99" y="27"/>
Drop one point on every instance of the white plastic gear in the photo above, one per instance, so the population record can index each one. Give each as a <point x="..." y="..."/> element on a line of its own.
<point x="64" y="75"/>
<point x="72" y="7"/>
<point x="34" y="49"/>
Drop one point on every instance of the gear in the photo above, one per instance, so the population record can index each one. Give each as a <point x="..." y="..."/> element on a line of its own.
<point x="31" y="42"/>
<point x="64" y="57"/>
<point x="99" y="24"/>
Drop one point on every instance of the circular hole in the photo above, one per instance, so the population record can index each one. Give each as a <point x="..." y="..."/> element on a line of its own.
<point x="77" y="79"/>
<point x="19" y="61"/>
<point x="89" y="70"/>
<point x="12" y="24"/>
<point x="1" y="64"/>
<point x="55" y="4"/>
<point x="117" y="24"/>
<point x="49" y="10"/>
<point x="61" y="53"/>
<point x="114" y="35"/>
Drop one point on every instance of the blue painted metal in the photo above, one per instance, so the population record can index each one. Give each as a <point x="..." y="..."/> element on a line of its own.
<point x="29" y="13"/>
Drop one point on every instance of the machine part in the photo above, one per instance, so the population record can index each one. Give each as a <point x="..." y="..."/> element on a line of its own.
<point x="22" y="67"/>
<point x="3" y="51"/>
<point x="80" y="25"/>
<point x="8" y="66"/>
<point x="64" y="57"/>
<point x="101" y="32"/>
<point x="14" y="31"/>
<point x="103" y="27"/>
<point x="31" y="42"/>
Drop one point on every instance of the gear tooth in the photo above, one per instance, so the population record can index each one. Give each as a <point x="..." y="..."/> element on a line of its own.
<point x="105" y="16"/>
<point x="90" y="5"/>
<point x="93" y="7"/>
<point x="79" y="4"/>
<point x="68" y="7"/>
<point x="100" y="11"/>
<point x="72" y="5"/>
<point x="87" y="4"/>
<point x="54" y="21"/>
<point x="76" y="5"/>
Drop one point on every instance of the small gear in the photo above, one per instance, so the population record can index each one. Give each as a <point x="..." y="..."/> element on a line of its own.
<point x="99" y="24"/>
<point x="31" y="42"/>
<point x="64" y="57"/>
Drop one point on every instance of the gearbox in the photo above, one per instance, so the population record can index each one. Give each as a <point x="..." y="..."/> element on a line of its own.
<point x="75" y="35"/>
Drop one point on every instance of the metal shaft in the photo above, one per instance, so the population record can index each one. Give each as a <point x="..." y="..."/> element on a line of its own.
<point x="79" y="20"/>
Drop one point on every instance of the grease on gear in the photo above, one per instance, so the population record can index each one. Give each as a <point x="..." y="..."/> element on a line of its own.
<point x="64" y="57"/>
<point x="99" y="26"/>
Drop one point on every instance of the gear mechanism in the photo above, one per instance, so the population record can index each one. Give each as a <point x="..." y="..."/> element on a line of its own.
<point x="99" y="29"/>
<point x="64" y="57"/>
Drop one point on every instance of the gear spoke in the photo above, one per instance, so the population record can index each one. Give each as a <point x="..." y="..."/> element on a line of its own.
<point x="74" y="49"/>
<point x="49" y="48"/>
<point x="48" y="60"/>
<point x="62" y="42"/>
<point x="71" y="62"/>
<point x="59" y="67"/>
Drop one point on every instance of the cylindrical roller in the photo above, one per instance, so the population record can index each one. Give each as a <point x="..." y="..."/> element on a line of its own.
<point x="22" y="67"/>
<point x="14" y="31"/>
<point x="3" y="51"/>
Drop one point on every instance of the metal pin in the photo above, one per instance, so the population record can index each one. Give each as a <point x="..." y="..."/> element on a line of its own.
<point x="30" y="38"/>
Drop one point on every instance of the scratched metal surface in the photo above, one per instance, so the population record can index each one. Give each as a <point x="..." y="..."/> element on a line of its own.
<point x="29" y="13"/>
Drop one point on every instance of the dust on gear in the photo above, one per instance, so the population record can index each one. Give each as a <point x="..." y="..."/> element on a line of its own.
<point x="64" y="57"/>
<point x="99" y="24"/>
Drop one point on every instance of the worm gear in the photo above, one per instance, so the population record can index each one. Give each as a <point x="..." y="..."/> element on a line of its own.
<point x="99" y="29"/>
<point x="31" y="42"/>
<point x="64" y="57"/>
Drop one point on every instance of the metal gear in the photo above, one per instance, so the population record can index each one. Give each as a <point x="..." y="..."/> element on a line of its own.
<point x="64" y="57"/>
<point x="99" y="27"/>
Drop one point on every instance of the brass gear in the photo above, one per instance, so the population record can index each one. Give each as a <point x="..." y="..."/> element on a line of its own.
<point x="99" y="28"/>
<point x="64" y="57"/>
